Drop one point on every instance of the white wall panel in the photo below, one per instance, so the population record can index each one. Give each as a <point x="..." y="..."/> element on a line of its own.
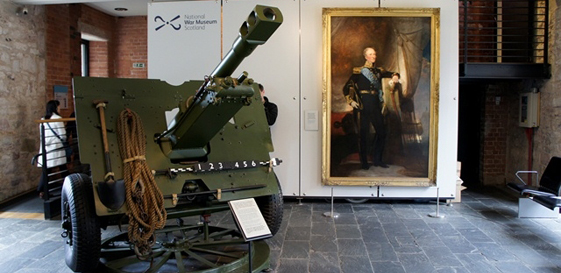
<point x="290" y="66"/>
<point x="186" y="48"/>
<point x="276" y="65"/>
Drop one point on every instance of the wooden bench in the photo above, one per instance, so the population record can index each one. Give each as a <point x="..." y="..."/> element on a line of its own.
<point x="546" y="194"/>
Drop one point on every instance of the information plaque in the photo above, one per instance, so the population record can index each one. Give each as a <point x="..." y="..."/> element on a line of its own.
<point x="249" y="219"/>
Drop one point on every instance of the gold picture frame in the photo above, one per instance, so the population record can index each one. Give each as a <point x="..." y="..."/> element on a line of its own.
<point x="405" y="41"/>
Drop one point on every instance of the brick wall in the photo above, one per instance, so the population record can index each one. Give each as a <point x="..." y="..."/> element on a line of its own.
<point x="132" y="47"/>
<point x="125" y="43"/>
<point x="494" y="136"/>
<point x="507" y="147"/>
<point x="41" y="50"/>
<point x="99" y="59"/>
<point x="59" y="55"/>
<point x="517" y="143"/>
<point x="63" y="39"/>
<point x="102" y="53"/>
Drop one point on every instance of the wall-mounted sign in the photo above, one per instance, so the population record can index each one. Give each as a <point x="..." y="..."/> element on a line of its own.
<point x="61" y="94"/>
<point x="183" y="40"/>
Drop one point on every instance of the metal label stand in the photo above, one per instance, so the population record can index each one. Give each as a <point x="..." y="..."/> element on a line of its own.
<point x="437" y="214"/>
<point x="331" y="214"/>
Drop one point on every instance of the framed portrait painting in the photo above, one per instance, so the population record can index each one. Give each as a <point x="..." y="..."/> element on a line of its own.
<point x="380" y="97"/>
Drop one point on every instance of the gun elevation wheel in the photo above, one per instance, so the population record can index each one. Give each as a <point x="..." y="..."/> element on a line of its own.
<point x="199" y="248"/>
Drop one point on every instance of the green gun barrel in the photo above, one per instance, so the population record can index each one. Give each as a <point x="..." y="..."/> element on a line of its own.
<point x="261" y="23"/>
<point x="219" y="98"/>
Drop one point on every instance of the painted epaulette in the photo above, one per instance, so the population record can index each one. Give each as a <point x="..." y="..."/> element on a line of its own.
<point x="356" y="70"/>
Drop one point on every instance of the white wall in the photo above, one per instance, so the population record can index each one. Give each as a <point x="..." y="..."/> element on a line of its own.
<point x="276" y="65"/>
<point x="179" y="51"/>
<point x="290" y="66"/>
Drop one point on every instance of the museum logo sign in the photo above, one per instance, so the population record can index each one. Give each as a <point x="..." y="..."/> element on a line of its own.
<point x="163" y="23"/>
<point x="191" y="22"/>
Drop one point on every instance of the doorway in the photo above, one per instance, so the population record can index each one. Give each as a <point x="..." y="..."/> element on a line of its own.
<point x="471" y="99"/>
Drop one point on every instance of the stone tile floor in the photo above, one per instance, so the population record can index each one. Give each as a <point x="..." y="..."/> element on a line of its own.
<point x="480" y="234"/>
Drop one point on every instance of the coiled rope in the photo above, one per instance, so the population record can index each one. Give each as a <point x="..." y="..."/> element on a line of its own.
<point x="145" y="202"/>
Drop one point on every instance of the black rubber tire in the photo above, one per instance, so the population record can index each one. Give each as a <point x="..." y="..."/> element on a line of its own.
<point x="78" y="209"/>
<point x="271" y="207"/>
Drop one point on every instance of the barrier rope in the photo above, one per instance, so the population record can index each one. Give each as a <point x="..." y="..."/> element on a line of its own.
<point x="145" y="202"/>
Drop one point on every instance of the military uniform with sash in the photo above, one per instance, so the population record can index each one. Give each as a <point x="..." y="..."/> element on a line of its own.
<point x="364" y="87"/>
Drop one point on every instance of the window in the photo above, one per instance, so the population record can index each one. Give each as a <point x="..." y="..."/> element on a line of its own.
<point x="85" y="61"/>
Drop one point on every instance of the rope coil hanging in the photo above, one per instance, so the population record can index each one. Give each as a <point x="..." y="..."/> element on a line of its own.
<point x="145" y="202"/>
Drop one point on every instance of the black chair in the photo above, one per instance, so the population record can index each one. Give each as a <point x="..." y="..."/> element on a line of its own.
<point x="549" y="201"/>
<point x="550" y="183"/>
<point x="548" y="191"/>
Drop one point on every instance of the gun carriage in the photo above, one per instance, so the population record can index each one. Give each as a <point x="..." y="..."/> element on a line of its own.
<point x="148" y="171"/>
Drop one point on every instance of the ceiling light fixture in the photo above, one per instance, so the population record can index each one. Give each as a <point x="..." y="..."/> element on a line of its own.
<point x="121" y="9"/>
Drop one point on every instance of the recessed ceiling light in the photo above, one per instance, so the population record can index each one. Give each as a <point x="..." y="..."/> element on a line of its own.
<point x="121" y="9"/>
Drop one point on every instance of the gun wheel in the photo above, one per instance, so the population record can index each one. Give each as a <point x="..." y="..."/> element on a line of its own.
<point x="187" y="249"/>
<point x="272" y="209"/>
<point x="81" y="230"/>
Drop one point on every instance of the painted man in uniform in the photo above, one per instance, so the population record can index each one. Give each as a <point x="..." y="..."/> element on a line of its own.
<point x="363" y="92"/>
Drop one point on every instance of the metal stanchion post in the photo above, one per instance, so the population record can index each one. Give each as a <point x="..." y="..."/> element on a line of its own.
<point x="44" y="165"/>
<point x="249" y="257"/>
<point x="331" y="214"/>
<point x="437" y="214"/>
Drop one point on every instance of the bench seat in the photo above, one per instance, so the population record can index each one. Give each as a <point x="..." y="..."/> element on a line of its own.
<point x="527" y="189"/>
<point x="549" y="201"/>
<point x="550" y="183"/>
<point x="547" y="194"/>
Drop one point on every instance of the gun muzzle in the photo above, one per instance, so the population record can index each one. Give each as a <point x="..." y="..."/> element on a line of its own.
<point x="261" y="23"/>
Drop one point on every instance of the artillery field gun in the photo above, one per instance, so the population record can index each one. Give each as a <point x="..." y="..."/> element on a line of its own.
<point x="146" y="170"/>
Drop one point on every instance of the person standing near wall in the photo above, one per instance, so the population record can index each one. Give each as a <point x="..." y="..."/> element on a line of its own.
<point x="363" y="92"/>
<point x="54" y="136"/>
<point x="271" y="109"/>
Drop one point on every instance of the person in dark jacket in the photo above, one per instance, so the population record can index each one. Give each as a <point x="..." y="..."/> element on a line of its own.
<point x="271" y="109"/>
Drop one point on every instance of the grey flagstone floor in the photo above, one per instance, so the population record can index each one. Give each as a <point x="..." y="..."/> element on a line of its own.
<point x="480" y="234"/>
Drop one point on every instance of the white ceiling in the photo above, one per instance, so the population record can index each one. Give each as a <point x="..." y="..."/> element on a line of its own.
<point x="134" y="7"/>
